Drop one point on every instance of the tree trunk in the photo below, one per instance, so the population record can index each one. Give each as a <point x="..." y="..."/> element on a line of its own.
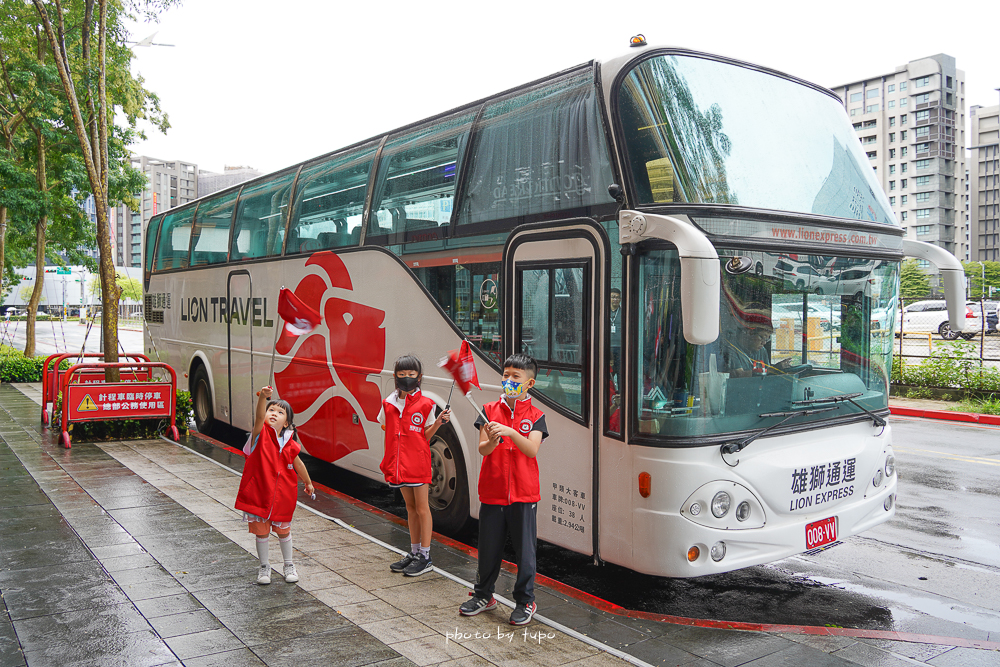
<point x="36" y="293"/>
<point x="3" y="242"/>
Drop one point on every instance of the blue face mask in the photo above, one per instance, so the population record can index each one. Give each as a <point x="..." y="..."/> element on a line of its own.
<point x="512" y="389"/>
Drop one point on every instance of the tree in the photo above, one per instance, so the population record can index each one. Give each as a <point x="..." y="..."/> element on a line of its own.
<point x="914" y="283"/>
<point x="84" y="70"/>
<point x="131" y="288"/>
<point x="974" y="274"/>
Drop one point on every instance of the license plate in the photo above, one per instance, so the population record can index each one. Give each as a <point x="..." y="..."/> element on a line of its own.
<point x="820" y="533"/>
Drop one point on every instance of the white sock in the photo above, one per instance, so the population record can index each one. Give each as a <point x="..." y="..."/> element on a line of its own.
<point x="286" y="549"/>
<point x="262" y="551"/>
<point x="415" y="548"/>
<point x="425" y="551"/>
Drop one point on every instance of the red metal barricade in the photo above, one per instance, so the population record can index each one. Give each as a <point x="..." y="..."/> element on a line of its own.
<point x="52" y="376"/>
<point x="86" y="401"/>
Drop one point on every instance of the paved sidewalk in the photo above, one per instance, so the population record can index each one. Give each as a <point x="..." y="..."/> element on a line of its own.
<point x="131" y="554"/>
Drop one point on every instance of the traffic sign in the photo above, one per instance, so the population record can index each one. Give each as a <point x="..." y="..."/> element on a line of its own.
<point x="63" y="271"/>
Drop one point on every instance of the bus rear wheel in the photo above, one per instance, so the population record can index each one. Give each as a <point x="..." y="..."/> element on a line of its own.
<point x="201" y="397"/>
<point x="448" y="495"/>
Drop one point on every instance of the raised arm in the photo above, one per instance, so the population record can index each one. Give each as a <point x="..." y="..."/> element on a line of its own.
<point x="263" y="396"/>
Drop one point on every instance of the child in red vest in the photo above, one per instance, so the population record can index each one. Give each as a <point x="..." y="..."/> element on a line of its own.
<point x="508" y="489"/>
<point x="269" y="486"/>
<point x="406" y="419"/>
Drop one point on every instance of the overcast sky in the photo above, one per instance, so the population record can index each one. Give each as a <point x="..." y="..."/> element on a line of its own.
<point x="267" y="84"/>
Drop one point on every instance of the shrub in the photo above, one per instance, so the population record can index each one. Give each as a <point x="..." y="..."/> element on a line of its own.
<point x="957" y="366"/>
<point x="15" y="367"/>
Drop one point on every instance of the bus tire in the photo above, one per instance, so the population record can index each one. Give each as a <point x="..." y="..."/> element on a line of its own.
<point x="201" y="401"/>
<point x="448" y="494"/>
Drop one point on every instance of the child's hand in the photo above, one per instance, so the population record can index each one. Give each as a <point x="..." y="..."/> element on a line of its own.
<point x="496" y="430"/>
<point x="310" y="490"/>
<point x="265" y="393"/>
<point x="444" y="417"/>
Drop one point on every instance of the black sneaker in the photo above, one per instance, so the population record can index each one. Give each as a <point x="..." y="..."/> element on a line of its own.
<point x="477" y="605"/>
<point x="523" y="613"/>
<point x="401" y="564"/>
<point x="420" y="564"/>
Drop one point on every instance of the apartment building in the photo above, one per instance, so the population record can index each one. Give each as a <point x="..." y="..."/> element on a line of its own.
<point x="210" y="181"/>
<point x="911" y="124"/>
<point x="984" y="183"/>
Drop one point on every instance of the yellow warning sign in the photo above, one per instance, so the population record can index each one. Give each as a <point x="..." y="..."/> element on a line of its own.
<point x="87" y="405"/>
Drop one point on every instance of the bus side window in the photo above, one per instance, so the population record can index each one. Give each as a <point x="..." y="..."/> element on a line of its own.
<point x="537" y="151"/>
<point x="328" y="202"/>
<point x="415" y="187"/>
<point x="259" y="228"/>
<point x="211" y="229"/>
<point x="175" y="239"/>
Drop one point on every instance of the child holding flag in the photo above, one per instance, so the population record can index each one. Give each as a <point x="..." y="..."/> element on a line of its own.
<point x="269" y="486"/>
<point x="508" y="488"/>
<point x="406" y="419"/>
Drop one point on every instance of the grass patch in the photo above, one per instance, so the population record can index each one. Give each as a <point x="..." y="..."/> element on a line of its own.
<point x="983" y="406"/>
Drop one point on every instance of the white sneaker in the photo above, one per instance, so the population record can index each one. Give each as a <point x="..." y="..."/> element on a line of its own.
<point x="291" y="576"/>
<point x="264" y="575"/>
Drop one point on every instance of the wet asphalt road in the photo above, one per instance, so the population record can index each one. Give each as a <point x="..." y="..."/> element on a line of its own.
<point x="933" y="569"/>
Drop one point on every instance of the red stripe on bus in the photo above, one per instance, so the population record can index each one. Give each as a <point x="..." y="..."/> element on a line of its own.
<point x="618" y="610"/>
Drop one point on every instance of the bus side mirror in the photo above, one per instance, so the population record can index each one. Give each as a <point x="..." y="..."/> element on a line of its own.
<point x="700" y="299"/>
<point x="700" y="282"/>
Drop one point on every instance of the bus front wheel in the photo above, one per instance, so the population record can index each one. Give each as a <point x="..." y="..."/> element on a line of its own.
<point x="448" y="494"/>
<point x="201" y="396"/>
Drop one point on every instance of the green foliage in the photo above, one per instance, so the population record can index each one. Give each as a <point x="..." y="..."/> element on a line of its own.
<point x="131" y="287"/>
<point x="974" y="272"/>
<point x="914" y="283"/>
<point x="921" y="392"/>
<point x="984" y="406"/>
<point x="955" y="366"/>
<point x="185" y="411"/>
<point x="15" y="367"/>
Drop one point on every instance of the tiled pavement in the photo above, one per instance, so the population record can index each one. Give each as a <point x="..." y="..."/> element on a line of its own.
<point x="131" y="554"/>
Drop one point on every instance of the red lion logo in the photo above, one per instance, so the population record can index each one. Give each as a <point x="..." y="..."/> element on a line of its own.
<point x="354" y="345"/>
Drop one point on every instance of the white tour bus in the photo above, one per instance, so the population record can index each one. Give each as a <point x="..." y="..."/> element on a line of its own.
<point x="693" y="429"/>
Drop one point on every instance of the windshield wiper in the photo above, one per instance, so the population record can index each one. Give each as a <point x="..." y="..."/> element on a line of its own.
<point x="845" y="398"/>
<point x="735" y="447"/>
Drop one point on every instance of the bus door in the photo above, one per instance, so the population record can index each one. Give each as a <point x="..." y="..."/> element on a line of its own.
<point x="239" y="337"/>
<point x="553" y="272"/>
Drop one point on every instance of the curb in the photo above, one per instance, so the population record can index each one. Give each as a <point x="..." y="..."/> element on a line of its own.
<point x="945" y="415"/>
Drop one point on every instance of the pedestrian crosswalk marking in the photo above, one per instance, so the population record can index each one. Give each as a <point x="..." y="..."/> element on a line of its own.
<point x="87" y="405"/>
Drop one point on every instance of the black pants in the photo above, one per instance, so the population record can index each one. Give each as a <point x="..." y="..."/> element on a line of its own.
<point x="495" y="521"/>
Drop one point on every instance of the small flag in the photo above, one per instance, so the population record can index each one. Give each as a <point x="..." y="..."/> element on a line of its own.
<point x="462" y="367"/>
<point x="299" y="318"/>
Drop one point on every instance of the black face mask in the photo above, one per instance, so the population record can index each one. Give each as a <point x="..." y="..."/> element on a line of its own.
<point x="407" y="384"/>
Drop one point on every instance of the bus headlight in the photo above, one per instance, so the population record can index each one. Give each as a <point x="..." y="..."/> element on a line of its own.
<point x="743" y="511"/>
<point x="695" y="509"/>
<point x="890" y="465"/>
<point x="720" y="504"/>
<point x="877" y="480"/>
<point x="718" y="551"/>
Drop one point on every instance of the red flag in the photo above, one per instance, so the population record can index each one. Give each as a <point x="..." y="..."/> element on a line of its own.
<point x="462" y="367"/>
<point x="299" y="318"/>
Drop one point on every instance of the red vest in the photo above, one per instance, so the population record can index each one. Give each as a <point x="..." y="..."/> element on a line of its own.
<point x="407" y="458"/>
<point x="507" y="475"/>
<point x="270" y="486"/>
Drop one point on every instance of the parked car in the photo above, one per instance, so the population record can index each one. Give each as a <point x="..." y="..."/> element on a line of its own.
<point x="990" y="308"/>
<point x="932" y="317"/>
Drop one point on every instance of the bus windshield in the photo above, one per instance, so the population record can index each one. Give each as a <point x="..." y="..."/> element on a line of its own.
<point x="795" y="328"/>
<point x="698" y="130"/>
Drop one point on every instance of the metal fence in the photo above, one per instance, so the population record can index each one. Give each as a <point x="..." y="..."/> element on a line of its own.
<point x="920" y="335"/>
